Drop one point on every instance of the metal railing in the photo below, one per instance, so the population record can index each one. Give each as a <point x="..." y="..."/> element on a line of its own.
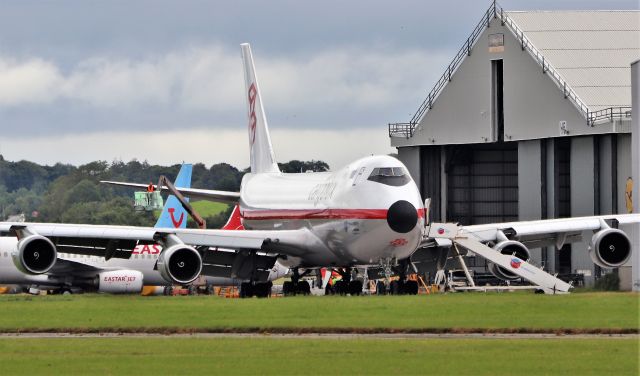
<point x="406" y="129"/>
<point x="609" y="114"/>
<point x="495" y="11"/>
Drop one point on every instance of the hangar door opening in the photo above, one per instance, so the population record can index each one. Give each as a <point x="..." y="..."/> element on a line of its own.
<point x="482" y="183"/>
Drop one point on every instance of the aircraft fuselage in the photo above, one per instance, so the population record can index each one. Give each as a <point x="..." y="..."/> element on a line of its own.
<point x="359" y="214"/>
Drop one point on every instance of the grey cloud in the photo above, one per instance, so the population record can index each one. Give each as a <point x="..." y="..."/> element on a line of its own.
<point x="81" y="66"/>
<point x="202" y="87"/>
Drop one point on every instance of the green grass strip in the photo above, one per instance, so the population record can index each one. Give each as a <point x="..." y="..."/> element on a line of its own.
<point x="499" y="312"/>
<point x="288" y="356"/>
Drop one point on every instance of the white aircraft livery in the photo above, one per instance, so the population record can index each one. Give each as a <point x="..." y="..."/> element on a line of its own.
<point x="366" y="214"/>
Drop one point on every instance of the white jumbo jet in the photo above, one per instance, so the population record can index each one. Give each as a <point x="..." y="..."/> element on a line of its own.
<point x="366" y="214"/>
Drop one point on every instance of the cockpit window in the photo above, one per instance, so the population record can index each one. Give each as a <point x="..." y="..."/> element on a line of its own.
<point x="394" y="176"/>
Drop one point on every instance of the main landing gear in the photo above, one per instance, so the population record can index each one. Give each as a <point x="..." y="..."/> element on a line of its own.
<point x="259" y="289"/>
<point x="347" y="285"/>
<point x="296" y="286"/>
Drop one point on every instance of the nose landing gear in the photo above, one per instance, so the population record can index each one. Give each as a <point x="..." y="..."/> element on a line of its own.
<point x="401" y="286"/>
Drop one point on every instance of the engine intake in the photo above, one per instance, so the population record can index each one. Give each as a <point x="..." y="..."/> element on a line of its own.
<point x="180" y="264"/>
<point x="509" y="247"/>
<point x="610" y="248"/>
<point x="34" y="254"/>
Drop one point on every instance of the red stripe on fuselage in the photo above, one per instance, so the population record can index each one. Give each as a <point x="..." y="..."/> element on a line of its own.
<point x="319" y="214"/>
<point x="315" y="214"/>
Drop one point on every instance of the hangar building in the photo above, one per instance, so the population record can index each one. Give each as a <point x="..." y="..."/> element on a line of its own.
<point x="530" y="120"/>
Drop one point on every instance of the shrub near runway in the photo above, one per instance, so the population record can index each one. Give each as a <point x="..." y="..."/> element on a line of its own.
<point x="589" y="312"/>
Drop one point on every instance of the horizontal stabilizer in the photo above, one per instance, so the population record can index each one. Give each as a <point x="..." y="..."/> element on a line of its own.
<point x="193" y="193"/>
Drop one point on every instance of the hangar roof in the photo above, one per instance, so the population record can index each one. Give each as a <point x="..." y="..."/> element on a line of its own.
<point x="591" y="50"/>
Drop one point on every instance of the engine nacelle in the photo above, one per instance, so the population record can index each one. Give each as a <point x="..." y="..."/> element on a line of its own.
<point x="34" y="254"/>
<point x="610" y="248"/>
<point x="180" y="264"/>
<point x="120" y="282"/>
<point x="509" y="247"/>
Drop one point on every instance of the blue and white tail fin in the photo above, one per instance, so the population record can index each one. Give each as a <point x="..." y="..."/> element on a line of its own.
<point x="262" y="157"/>
<point x="173" y="214"/>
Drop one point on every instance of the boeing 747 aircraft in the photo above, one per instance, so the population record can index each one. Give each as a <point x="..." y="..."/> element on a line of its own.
<point x="368" y="213"/>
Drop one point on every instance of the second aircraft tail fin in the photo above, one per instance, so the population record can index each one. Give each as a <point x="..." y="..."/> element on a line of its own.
<point x="173" y="214"/>
<point x="235" y="221"/>
<point x="262" y="157"/>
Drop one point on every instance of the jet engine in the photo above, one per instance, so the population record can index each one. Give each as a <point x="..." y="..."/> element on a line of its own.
<point x="34" y="254"/>
<point x="509" y="247"/>
<point x="610" y="248"/>
<point x="179" y="264"/>
<point x="120" y="282"/>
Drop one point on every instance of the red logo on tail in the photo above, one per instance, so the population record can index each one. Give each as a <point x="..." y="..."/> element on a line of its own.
<point x="177" y="223"/>
<point x="253" y="93"/>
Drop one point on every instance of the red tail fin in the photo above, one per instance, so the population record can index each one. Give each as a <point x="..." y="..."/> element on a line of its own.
<point x="234" y="222"/>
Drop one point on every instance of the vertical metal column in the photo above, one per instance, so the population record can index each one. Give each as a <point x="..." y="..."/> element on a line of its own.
<point x="635" y="171"/>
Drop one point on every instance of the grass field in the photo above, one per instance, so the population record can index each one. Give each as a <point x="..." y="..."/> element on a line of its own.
<point x="208" y="208"/>
<point x="204" y="208"/>
<point x="272" y="354"/>
<point x="510" y="311"/>
<point x="264" y="355"/>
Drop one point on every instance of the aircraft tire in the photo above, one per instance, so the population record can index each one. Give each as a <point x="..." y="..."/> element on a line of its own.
<point x="355" y="287"/>
<point x="246" y="290"/>
<point x="288" y="288"/>
<point x="381" y="289"/>
<point x="263" y="290"/>
<point x="341" y="287"/>
<point x="395" y="288"/>
<point x="304" y="288"/>
<point x="411" y="287"/>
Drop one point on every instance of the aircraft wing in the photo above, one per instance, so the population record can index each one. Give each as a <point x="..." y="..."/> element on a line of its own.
<point x="543" y="233"/>
<point x="115" y="241"/>
<point x="194" y="193"/>
<point x="610" y="243"/>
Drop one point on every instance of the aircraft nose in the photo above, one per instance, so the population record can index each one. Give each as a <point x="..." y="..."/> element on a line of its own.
<point x="402" y="216"/>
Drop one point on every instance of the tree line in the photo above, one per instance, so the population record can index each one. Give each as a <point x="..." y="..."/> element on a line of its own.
<point x="64" y="193"/>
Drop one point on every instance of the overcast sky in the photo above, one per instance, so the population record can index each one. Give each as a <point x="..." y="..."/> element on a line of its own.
<point x="162" y="80"/>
